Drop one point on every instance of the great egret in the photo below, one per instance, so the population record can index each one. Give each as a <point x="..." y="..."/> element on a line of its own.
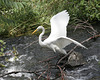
<point x="57" y="39"/>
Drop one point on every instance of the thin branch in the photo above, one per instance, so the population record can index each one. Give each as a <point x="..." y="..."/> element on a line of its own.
<point x="84" y="24"/>
<point x="31" y="44"/>
<point x="15" y="72"/>
<point x="42" y="74"/>
<point x="62" y="72"/>
<point x="48" y="59"/>
<point x="48" y="76"/>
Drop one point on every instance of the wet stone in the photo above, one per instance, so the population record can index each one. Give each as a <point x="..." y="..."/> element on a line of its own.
<point x="28" y="59"/>
<point x="75" y="59"/>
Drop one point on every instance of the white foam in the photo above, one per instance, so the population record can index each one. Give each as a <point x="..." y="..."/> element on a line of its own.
<point x="93" y="57"/>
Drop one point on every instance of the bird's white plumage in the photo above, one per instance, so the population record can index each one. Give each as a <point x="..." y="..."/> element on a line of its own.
<point x="57" y="39"/>
<point x="64" y="41"/>
<point x="59" y="23"/>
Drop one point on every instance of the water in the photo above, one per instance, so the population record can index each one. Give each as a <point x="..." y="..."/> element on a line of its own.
<point x="30" y="54"/>
<point x="85" y="72"/>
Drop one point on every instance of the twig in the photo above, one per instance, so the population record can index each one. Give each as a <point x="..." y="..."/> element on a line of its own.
<point x="42" y="74"/>
<point x="48" y="76"/>
<point x="62" y="72"/>
<point x="15" y="72"/>
<point x="76" y="47"/>
<point x="84" y="24"/>
<point x="31" y="44"/>
<point x="48" y="59"/>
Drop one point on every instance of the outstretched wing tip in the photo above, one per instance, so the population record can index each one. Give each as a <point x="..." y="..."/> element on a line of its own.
<point x="66" y="12"/>
<point x="63" y="13"/>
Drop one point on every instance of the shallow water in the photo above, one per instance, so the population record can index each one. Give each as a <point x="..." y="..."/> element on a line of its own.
<point x="30" y="53"/>
<point x="85" y="72"/>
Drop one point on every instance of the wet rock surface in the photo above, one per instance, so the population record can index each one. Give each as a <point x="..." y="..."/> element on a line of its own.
<point x="75" y="59"/>
<point x="30" y="53"/>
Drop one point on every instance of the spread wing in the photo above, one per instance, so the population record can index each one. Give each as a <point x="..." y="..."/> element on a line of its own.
<point x="65" y="41"/>
<point x="58" y="24"/>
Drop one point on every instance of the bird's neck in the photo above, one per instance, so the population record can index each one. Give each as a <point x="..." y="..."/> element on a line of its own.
<point x="40" y="36"/>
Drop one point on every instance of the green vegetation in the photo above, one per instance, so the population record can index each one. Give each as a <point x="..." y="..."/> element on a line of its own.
<point x="21" y="17"/>
<point x="2" y="47"/>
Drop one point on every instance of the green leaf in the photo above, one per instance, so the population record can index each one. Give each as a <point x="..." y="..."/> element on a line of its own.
<point x="1" y="65"/>
<point x="98" y="16"/>
<point x="2" y="49"/>
<point x="1" y="54"/>
<point x="1" y="41"/>
<point x="82" y="2"/>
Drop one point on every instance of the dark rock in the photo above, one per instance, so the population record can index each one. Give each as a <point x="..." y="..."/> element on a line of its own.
<point x="29" y="58"/>
<point x="75" y="59"/>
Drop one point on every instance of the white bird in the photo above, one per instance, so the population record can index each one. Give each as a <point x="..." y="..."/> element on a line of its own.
<point x="57" y="39"/>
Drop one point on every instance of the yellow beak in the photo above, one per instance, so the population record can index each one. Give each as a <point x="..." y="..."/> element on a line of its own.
<point x="34" y="31"/>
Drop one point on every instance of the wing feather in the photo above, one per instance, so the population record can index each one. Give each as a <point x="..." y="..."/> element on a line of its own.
<point x="65" y="41"/>
<point x="58" y="24"/>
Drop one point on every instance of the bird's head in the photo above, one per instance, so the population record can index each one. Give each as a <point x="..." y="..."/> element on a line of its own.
<point x="40" y="27"/>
